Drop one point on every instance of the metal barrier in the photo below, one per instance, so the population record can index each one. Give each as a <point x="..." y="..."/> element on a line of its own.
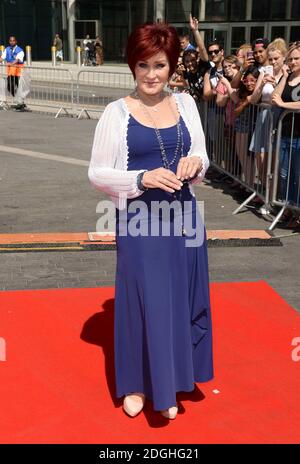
<point x="250" y="149"/>
<point x="286" y="185"/>
<point x="95" y="89"/>
<point x="45" y="87"/>
<point x="240" y="146"/>
<point x="55" y="87"/>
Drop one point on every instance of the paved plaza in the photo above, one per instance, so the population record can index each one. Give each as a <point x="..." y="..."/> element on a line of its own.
<point x="44" y="188"/>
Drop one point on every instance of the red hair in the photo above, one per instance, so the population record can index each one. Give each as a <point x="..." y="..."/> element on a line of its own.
<point x="148" y="39"/>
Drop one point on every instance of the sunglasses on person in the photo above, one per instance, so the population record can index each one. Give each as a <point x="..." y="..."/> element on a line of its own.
<point x="214" y="52"/>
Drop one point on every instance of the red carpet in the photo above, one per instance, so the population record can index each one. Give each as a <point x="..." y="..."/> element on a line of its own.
<point x="57" y="383"/>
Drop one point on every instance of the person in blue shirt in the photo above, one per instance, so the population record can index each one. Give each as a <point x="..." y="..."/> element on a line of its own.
<point x="13" y="56"/>
<point x="185" y="43"/>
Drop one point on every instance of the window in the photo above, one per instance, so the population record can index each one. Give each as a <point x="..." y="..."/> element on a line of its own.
<point x="216" y="10"/>
<point x="238" y="37"/>
<point x="238" y="10"/>
<point x="261" y="10"/>
<point x="87" y="10"/>
<point x="268" y="9"/>
<point x="295" y="10"/>
<point x="256" y="32"/>
<point x="277" y="31"/>
<point x="178" y="11"/>
<point x="295" y="33"/>
<point x="277" y="9"/>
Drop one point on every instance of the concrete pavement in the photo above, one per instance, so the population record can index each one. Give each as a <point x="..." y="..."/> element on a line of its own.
<point x="52" y="194"/>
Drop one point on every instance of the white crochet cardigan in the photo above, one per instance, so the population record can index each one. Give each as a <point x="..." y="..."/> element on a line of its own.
<point x="108" y="166"/>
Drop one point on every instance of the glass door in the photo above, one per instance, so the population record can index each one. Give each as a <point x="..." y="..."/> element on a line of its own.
<point x="240" y="33"/>
<point x="218" y="32"/>
<point x="288" y="30"/>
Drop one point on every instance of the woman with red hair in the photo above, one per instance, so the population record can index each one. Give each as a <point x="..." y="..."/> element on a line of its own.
<point x="148" y="151"/>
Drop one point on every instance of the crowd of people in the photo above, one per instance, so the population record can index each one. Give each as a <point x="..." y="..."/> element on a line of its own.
<point x="240" y="98"/>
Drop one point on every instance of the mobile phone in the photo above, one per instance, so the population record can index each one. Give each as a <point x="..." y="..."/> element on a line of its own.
<point x="250" y="55"/>
<point x="221" y="88"/>
<point x="219" y="74"/>
<point x="269" y="70"/>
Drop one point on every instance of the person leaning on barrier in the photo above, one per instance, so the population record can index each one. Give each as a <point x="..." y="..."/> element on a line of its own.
<point x="244" y="123"/>
<point x="230" y="69"/>
<point x="287" y="96"/>
<point x="13" y="56"/>
<point x="215" y="115"/>
<point x="246" y="59"/>
<point x="255" y="57"/>
<point x="211" y="77"/>
<point x="223" y="100"/>
<point x="267" y="81"/>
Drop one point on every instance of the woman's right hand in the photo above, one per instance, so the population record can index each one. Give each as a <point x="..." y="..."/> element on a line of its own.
<point x="248" y="62"/>
<point x="285" y="70"/>
<point x="162" y="178"/>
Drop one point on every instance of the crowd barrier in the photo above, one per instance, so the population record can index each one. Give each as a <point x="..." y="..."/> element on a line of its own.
<point x="286" y="185"/>
<point x="77" y="93"/>
<point x="43" y="87"/>
<point x="95" y="89"/>
<point x="250" y="149"/>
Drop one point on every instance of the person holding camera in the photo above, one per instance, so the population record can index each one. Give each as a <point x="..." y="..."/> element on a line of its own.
<point x="268" y="79"/>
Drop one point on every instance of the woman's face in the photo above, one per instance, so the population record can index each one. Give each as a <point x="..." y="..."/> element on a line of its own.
<point x="260" y="55"/>
<point x="276" y="59"/>
<point x="249" y="82"/>
<point x="230" y="69"/>
<point x="190" y="63"/>
<point x="152" y="74"/>
<point x="293" y="61"/>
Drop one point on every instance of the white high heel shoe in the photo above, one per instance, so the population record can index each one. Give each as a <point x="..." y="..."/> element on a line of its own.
<point x="133" y="404"/>
<point x="170" y="413"/>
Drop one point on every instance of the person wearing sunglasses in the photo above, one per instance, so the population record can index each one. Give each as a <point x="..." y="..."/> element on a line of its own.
<point x="196" y="64"/>
<point x="216" y="56"/>
<point x="215" y="114"/>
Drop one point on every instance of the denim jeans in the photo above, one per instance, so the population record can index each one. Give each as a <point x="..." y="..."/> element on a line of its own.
<point x="293" y="158"/>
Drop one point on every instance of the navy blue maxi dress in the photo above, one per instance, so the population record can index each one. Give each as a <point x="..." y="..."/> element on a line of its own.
<point x="163" y="333"/>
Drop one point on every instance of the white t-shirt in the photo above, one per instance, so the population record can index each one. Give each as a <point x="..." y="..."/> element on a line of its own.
<point x="85" y="42"/>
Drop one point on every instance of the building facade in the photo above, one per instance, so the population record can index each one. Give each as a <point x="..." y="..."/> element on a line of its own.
<point x="233" y="22"/>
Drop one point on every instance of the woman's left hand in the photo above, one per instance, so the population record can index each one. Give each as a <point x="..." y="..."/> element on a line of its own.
<point x="188" y="167"/>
